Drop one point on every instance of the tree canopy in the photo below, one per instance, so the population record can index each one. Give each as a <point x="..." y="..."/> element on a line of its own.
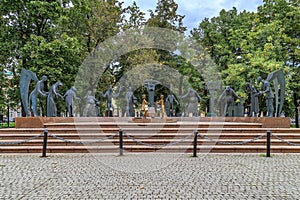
<point x="53" y="38"/>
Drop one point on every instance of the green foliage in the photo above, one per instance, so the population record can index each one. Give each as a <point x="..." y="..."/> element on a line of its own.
<point x="53" y="38"/>
<point x="165" y="16"/>
<point x="266" y="40"/>
<point x="58" y="59"/>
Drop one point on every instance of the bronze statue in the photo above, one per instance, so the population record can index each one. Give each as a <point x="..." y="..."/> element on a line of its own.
<point x="33" y="97"/>
<point x="109" y="95"/>
<point x="25" y="79"/>
<point x="230" y="96"/>
<point x="70" y="96"/>
<point x="51" y="105"/>
<point x="170" y="101"/>
<point x="194" y="99"/>
<point x="266" y="89"/>
<point x="254" y="104"/>
<point x="91" y="109"/>
<point x="130" y="101"/>
<point x="278" y="78"/>
<point x="150" y="84"/>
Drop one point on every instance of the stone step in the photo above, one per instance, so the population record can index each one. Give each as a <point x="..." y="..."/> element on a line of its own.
<point x="148" y="130"/>
<point x="166" y="125"/>
<point x="141" y="135"/>
<point x="154" y="134"/>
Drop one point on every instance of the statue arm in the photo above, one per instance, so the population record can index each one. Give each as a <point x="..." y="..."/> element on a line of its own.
<point x="75" y="96"/>
<point x="235" y="95"/>
<point x="104" y="95"/>
<point x="96" y="100"/>
<point x="65" y="94"/>
<point x="221" y="96"/>
<point x="175" y="99"/>
<point x="168" y="98"/>
<point x="56" y="92"/>
<point x="198" y="96"/>
<point x="39" y="90"/>
<point x="266" y="90"/>
<point x="184" y="96"/>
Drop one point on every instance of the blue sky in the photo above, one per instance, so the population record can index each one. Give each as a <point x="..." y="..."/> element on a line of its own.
<point x="196" y="10"/>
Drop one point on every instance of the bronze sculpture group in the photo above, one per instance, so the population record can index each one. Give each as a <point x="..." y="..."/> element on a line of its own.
<point x="92" y="105"/>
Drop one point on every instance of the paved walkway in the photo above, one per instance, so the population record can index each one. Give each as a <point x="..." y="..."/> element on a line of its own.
<point x="149" y="176"/>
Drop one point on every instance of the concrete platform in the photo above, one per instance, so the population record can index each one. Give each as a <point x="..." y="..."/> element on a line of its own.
<point x="39" y="122"/>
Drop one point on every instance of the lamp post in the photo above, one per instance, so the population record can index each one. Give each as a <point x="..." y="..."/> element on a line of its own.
<point x="292" y="55"/>
<point x="9" y="76"/>
<point x="7" y="103"/>
<point x="8" y="114"/>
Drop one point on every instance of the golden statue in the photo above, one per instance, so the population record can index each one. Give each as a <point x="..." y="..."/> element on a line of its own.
<point x="161" y="102"/>
<point x="144" y="106"/>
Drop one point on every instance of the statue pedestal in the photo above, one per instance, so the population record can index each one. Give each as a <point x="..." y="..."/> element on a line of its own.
<point x="151" y="112"/>
<point x="153" y="120"/>
<point x="110" y="113"/>
<point x="211" y="114"/>
<point x="236" y="111"/>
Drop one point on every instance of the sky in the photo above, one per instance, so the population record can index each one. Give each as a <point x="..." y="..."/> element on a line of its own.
<point x="196" y="10"/>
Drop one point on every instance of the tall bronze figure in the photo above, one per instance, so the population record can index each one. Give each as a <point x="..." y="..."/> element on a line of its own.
<point x="278" y="79"/>
<point x="51" y="105"/>
<point x="33" y="97"/>
<point x="91" y="105"/>
<point x="109" y="95"/>
<point x="170" y="101"/>
<point x="130" y="101"/>
<point x="254" y="104"/>
<point x="25" y="79"/>
<point x="70" y="97"/>
<point x="230" y="96"/>
<point x="194" y="99"/>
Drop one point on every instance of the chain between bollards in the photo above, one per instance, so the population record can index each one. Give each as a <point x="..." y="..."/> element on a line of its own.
<point x="121" y="142"/>
<point x="268" y="153"/>
<point x="45" y="142"/>
<point x="195" y="143"/>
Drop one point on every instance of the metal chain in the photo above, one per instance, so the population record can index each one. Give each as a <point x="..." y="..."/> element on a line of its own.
<point x="232" y="143"/>
<point x="79" y="142"/>
<point x="282" y="140"/>
<point x="157" y="146"/>
<point x="21" y="141"/>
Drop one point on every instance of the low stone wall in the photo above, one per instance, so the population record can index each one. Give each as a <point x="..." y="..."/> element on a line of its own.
<point x="38" y="122"/>
<point x="267" y="122"/>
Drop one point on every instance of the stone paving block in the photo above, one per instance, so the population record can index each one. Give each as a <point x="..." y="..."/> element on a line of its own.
<point x="150" y="176"/>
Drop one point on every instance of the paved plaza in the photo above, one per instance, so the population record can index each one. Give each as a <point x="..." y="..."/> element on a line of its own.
<point x="150" y="176"/>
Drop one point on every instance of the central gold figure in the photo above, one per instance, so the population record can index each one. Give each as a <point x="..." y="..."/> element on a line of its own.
<point x="161" y="102"/>
<point x="144" y="106"/>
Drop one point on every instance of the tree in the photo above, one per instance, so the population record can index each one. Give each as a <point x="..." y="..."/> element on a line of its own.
<point x="246" y="45"/>
<point x="20" y="20"/>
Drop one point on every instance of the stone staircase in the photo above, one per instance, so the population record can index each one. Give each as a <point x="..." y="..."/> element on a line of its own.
<point x="102" y="136"/>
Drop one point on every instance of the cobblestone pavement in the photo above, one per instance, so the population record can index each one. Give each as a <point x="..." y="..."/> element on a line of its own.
<point x="149" y="176"/>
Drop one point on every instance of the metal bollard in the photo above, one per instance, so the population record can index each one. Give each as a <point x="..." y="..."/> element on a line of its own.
<point x="121" y="142"/>
<point x="268" y="153"/>
<point x="195" y="143"/>
<point x="45" y="142"/>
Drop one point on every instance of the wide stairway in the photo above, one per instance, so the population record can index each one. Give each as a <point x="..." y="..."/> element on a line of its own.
<point x="168" y="136"/>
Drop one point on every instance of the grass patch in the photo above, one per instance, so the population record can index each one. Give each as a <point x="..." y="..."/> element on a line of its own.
<point x="264" y="155"/>
<point x="5" y="125"/>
